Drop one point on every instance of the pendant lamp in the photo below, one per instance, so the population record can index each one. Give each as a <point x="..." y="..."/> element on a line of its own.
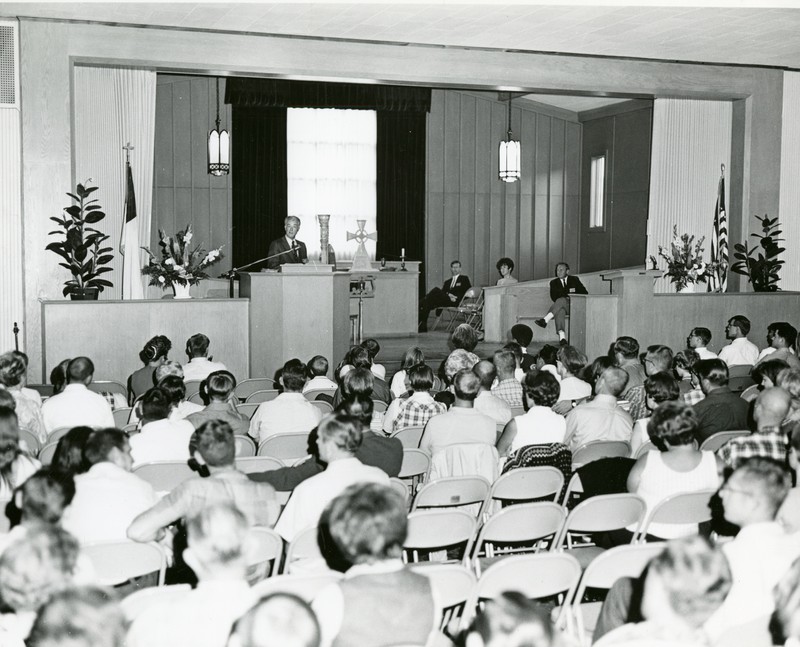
<point x="510" y="153"/>
<point x="219" y="147"/>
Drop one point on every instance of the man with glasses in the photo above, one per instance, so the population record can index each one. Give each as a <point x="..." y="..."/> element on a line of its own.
<point x="287" y="249"/>
<point x="741" y="351"/>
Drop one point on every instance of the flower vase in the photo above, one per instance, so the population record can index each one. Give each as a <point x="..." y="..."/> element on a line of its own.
<point x="181" y="291"/>
<point x="689" y="288"/>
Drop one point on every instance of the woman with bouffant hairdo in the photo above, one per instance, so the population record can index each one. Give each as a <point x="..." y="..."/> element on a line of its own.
<point x="153" y="355"/>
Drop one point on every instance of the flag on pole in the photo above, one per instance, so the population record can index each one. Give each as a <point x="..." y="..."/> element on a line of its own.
<point x="718" y="281"/>
<point x="129" y="243"/>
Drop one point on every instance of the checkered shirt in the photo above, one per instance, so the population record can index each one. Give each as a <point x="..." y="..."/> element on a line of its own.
<point x="637" y="403"/>
<point x="771" y="442"/>
<point x="416" y="414"/>
<point x="693" y="397"/>
<point x="509" y="390"/>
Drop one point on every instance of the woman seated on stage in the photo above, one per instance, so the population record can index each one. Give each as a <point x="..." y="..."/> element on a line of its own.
<point x="505" y="266"/>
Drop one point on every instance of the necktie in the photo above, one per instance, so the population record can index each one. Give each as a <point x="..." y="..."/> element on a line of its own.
<point x="294" y="250"/>
<point x="563" y="283"/>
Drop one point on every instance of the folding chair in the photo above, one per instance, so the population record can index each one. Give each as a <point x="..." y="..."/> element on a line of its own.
<point x="436" y="530"/>
<point x="401" y="488"/>
<point x="31" y="441"/>
<point x="717" y="440"/>
<point x="139" y="601"/>
<point x="193" y="386"/>
<point x="409" y="436"/>
<point x="262" y="396"/>
<point x="379" y="406"/>
<point x="247" y="408"/>
<point x="517" y="411"/>
<point x="303" y="553"/>
<point x="46" y="453"/>
<point x="57" y="434"/>
<point x="264" y="556"/>
<point x="122" y="416"/>
<point x="245" y="446"/>
<point x="679" y="509"/>
<point x="109" y="386"/>
<point x="526" y="527"/>
<point x="304" y="585"/>
<point x="535" y="576"/>
<point x="524" y="484"/>
<point x="599" y="514"/>
<point x="574" y="490"/>
<point x="644" y="448"/>
<point x="596" y="449"/>
<point x="605" y="569"/>
<point x="322" y="405"/>
<point x="250" y="464"/>
<point x="452" y="491"/>
<point x="116" y="562"/>
<point x="285" y="446"/>
<point x="245" y="388"/>
<point x="739" y="377"/>
<point x="164" y="476"/>
<point x="196" y="398"/>
<point x="45" y="390"/>
<point x="469" y="300"/>
<point x="470" y="310"/>
<point x="416" y="463"/>
<point x="452" y="585"/>
<point x="313" y="393"/>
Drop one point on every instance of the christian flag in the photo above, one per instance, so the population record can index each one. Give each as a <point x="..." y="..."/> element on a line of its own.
<point x="129" y="244"/>
<point x="718" y="281"/>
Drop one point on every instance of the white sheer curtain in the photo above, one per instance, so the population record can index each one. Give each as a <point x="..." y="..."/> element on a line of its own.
<point x="790" y="187"/>
<point x="114" y="106"/>
<point x="331" y="169"/>
<point x="691" y="139"/>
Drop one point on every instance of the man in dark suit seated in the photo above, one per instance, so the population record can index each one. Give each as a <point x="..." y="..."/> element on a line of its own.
<point x="561" y="288"/>
<point x="450" y="294"/>
<point x="287" y="249"/>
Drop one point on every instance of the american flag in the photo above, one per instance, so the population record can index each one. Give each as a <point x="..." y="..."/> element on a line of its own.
<point x="718" y="281"/>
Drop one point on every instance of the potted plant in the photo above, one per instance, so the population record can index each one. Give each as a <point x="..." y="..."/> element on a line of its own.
<point x="685" y="265"/>
<point x="763" y="270"/>
<point x="180" y="266"/>
<point x="81" y="248"/>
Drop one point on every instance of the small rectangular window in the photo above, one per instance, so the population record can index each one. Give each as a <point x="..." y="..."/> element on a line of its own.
<point x="597" y="193"/>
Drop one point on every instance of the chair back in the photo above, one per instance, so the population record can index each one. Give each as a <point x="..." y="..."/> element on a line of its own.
<point x="416" y="462"/>
<point x="251" y="464"/>
<point x="452" y="585"/>
<point x="409" y="436"/>
<point x="429" y="530"/>
<point x="46" y="453"/>
<point x="116" y="562"/>
<point x="151" y="597"/>
<point x="313" y="393"/>
<point x="644" y="448"/>
<point x="324" y="406"/>
<point x="526" y="484"/>
<point x="196" y="398"/>
<point x="264" y="395"/>
<point x="682" y="508"/>
<point x="602" y="513"/>
<point x="57" y="434"/>
<point x="245" y="388"/>
<point x="452" y="491"/>
<point x="398" y="486"/>
<point x="597" y="449"/>
<point x="264" y="556"/>
<point x="465" y="459"/>
<point x="245" y="446"/>
<point x="193" y="386"/>
<point x="379" y="406"/>
<point x="247" y="408"/>
<point x="108" y="386"/>
<point x="285" y="446"/>
<point x="517" y="411"/>
<point x="717" y="440"/>
<point x="31" y="441"/>
<point x="45" y="390"/>
<point x="304" y="585"/>
<point x="304" y="547"/>
<point x="739" y="377"/>
<point x="164" y="476"/>
<point x="122" y="416"/>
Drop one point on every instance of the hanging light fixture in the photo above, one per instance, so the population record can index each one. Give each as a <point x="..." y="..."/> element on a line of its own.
<point x="219" y="147"/>
<point x="510" y="154"/>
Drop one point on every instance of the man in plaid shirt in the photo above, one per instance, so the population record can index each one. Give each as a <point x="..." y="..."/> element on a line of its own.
<point x="508" y="387"/>
<point x="769" y="441"/>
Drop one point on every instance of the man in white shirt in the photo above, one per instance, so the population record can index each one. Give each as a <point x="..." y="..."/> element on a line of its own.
<point x="317" y="371"/>
<point x="290" y="412"/>
<point x="338" y="438"/>
<point x="486" y="403"/>
<point x="781" y="337"/>
<point x="698" y="340"/>
<point x="76" y="405"/>
<point x="741" y="351"/>
<point x="107" y="497"/>
<point x="601" y="418"/>
<point x="160" y="439"/>
<point x="199" y="365"/>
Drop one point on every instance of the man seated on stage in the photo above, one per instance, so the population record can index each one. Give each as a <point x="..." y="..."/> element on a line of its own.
<point x="450" y="294"/>
<point x="561" y="288"/>
<point x="287" y="249"/>
<point x="199" y="366"/>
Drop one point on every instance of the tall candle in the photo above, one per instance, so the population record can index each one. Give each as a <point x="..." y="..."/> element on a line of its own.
<point x="403" y="252"/>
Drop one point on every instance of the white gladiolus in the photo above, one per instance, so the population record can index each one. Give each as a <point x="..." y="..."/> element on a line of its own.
<point x="169" y="261"/>
<point x="161" y="279"/>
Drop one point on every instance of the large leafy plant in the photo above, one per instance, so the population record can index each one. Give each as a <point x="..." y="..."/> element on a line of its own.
<point x="82" y="247"/>
<point x="762" y="268"/>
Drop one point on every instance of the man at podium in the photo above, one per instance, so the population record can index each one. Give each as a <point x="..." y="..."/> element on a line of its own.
<point x="287" y="249"/>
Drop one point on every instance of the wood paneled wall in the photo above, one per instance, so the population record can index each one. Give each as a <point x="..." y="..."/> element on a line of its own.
<point x="184" y="192"/>
<point x="475" y="217"/>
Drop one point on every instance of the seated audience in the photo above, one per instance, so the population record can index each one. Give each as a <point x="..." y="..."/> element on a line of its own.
<point x="290" y="412"/>
<point x="658" y="388"/>
<point x="68" y="459"/>
<point x="540" y="425"/>
<point x="781" y="337"/>
<point x="33" y="394"/>
<point x="169" y="367"/>
<point x="200" y="365"/>
<point x="419" y="407"/>
<point x="508" y="387"/>
<point x="658" y="358"/>
<point x="216" y="552"/>
<point x="464" y="336"/>
<point x="7" y="400"/>
<point x="358" y="357"/>
<point x="570" y="362"/>
<point x="27" y="408"/>
<point x="108" y="496"/>
<point x="677" y="466"/>
<point x="15" y="465"/>
<point x="720" y="410"/>
<point x="462" y="423"/>
<point x="153" y="355"/>
<point x="411" y="357"/>
<point x="789" y="514"/>
<point x="547" y="360"/>
<point x="769" y="440"/>
<point x="765" y="376"/>
<point x="509" y="620"/>
<point x="458" y="360"/>
<point x="338" y="438"/>
<point x="373" y="348"/>
<point x="277" y="620"/>
<point x="698" y="341"/>
<point x="515" y="348"/>
<point x="683" y="365"/>
<point x="317" y="372"/>
<point x="601" y="418"/>
<point x="219" y="388"/>
<point x="216" y="448"/>
<point x="488" y="404"/>
<point x="379" y="596"/>
<point x="625" y="351"/>
<point x="84" y="616"/>
<point x="523" y="335"/>
<point x="58" y="376"/>
<point x="741" y="351"/>
<point x="180" y="407"/>
<point x="76" y="404"/>
<point x="789" y="381"/>
<point x="160" y="439"/>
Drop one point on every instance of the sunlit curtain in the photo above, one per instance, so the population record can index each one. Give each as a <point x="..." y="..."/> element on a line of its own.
<point x="331" y="162"/>
<point x="789" y="214"/>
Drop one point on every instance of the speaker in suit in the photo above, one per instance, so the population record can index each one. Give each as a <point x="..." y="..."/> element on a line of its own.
<point x="450" y="294"/>
<point x="561" y="288"/>
<point x="287" y="249"/>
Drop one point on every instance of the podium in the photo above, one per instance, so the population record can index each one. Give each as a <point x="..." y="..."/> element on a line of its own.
<point x="297" y="312"/>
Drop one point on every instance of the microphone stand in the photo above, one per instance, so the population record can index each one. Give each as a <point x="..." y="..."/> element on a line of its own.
<point x="231" y="275"/>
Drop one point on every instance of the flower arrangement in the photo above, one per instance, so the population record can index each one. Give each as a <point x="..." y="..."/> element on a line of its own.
<point x="685" y="263"/>
<point x="179" y="264"/>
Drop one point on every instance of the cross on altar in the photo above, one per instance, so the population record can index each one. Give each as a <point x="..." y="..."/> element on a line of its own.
<point x="361" y="262"/>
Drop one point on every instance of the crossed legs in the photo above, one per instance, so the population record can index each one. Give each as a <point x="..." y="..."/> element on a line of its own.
<point x="558" y="311"/>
